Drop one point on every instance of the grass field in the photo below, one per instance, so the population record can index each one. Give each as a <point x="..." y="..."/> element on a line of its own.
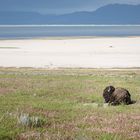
<point x="68" y="104"/>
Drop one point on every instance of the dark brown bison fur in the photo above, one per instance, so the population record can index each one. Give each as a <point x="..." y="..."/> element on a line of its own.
<point x="116" y="96"/>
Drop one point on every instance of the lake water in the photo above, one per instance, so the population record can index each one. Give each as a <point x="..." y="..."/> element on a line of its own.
<point x="31" y="31"/>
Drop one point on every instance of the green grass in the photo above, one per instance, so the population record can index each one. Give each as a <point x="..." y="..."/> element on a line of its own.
<point x="59" y="98"/>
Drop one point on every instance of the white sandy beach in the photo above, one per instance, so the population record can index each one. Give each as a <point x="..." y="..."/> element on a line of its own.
<point x="96" y="52"/>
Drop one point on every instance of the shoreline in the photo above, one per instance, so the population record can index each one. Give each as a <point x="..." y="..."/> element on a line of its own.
<point x="68" y="52"/>
<point x="65" y="37"/>
<point x="74" y="68"/>
<point x="36" y="25"/>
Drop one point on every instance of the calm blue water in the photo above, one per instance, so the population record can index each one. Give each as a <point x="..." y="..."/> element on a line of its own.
<point x="31" y="31"/>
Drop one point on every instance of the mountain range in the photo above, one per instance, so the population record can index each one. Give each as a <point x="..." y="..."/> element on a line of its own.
<point x="109" y="14"/>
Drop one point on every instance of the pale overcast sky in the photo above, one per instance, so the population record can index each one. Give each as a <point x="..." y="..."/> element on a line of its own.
<point x="58" y="6"/>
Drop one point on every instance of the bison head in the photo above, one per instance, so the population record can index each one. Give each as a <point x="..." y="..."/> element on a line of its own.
<point x="107" y="93"/>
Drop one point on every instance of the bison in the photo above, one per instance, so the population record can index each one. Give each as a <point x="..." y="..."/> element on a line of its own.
<point x="116" y="96"/>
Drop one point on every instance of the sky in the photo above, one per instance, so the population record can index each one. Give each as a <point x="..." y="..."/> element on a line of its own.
<point x="58" y="6"/>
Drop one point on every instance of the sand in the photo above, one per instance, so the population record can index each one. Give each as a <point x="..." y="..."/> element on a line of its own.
<point x="94" y="52"/>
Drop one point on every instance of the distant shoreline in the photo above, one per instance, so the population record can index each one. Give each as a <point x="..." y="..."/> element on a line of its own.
<point x="59" y="25"/>
<point x="47" y="31"/>
<point x="65" y="37"/>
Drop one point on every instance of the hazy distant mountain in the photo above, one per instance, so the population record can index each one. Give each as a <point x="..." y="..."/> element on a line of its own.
<point x="110" y="14"/>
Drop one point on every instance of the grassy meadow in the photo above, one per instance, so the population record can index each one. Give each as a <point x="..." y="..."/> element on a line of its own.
<point x="68" y="104"/>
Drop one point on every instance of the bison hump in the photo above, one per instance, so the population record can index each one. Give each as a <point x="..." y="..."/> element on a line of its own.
<point x="121" y="93"/>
